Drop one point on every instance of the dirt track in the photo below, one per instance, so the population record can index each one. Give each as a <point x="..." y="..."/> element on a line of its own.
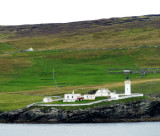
<point x="61" y="90"/>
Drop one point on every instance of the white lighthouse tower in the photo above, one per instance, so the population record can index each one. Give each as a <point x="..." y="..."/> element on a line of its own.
<point x="127" y="86"/>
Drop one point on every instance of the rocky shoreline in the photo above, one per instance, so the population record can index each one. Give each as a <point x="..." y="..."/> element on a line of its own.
<point x="137" y="111"/>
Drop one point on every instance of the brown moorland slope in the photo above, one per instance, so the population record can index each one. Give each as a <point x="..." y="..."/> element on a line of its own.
<point x="103" y="33"/>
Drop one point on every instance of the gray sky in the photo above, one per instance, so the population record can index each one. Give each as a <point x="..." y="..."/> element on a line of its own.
<point x="16" y="12"/>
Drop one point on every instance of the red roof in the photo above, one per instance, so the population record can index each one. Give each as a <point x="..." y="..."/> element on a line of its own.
<point x="80" y="98"/>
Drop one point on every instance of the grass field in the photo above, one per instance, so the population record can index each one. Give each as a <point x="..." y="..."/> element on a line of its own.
<point x="15" y="101"/>
<point x="5" y="48"/>
<point x="30" y="71"/>
<point x="31" y="74"/>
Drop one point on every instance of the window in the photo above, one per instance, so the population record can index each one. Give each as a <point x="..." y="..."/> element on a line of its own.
<point x="68" y="97"/>
<point x="72" y="96"/>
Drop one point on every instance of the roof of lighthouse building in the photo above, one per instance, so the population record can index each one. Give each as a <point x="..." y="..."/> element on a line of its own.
<point x="127" y="78"/>
<point x="99" y="91"/>
<point x="105" y="91"/>
<point x="127" y="81"/>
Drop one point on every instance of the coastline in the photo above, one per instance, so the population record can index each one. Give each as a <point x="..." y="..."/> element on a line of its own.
<point x="137" y="111"/>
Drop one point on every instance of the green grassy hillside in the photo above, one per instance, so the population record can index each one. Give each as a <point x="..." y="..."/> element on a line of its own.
<point x="76" y="56"/>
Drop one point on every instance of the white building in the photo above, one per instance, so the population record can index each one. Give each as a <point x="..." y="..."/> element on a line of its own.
<point x="102" y="92"/>
<point x="71" y="97"/>
<point x="89" y="97"/>
<point x="114" y="95"/>
<point x="127" y="86"/>
<point x="30" y="49"/>
<point x="47" y="99"/>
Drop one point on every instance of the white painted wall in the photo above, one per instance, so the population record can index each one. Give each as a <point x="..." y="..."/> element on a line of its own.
<point x="98" y="93"/>
<point x="89" y="97"/>
<point x="127" y="87"/>
<point x="102" y="92"/>
<point x="71" y="97"/>
<point x="114" y="96"/>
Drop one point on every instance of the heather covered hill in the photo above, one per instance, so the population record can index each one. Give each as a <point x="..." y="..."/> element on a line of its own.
<point x="103" y="33"/>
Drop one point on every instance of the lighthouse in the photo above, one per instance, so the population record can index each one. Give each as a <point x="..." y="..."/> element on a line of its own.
<point x="127" y="86"/>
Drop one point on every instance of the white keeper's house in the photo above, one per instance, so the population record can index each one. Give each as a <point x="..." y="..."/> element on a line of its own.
<point x="102" y="92"/>
<point x="71" y="97"/>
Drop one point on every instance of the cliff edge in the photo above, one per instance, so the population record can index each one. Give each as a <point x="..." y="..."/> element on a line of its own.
<point x="145" y="110"/>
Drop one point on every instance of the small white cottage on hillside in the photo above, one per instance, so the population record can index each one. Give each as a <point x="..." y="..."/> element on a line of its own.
<point x="30" y="49"/>
<point x="71" y="97"/>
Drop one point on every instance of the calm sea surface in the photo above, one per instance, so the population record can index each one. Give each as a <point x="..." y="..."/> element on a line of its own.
<point x="104" y="129"/>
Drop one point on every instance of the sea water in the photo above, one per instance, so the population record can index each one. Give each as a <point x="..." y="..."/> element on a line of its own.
<point x="97" y="129"/>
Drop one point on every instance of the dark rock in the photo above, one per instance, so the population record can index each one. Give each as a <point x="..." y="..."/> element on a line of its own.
<point x="11" y="116"/>
<point x="147" y="110"/>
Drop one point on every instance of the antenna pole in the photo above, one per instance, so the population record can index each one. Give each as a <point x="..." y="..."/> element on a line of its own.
<point x="54" y="78"/>
<point x="53" y="73"/>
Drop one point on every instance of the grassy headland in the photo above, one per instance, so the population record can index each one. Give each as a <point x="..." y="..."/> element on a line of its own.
<point x="61" y="66"/>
